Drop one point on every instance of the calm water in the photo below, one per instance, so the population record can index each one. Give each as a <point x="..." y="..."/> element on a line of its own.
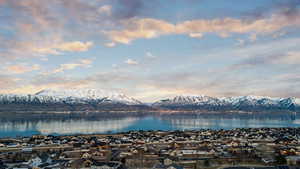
<point x="13" y="125"/>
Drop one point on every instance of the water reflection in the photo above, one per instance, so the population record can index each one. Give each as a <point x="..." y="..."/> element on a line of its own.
<point x="189" y="124"/>
<point x="229" y="121"/>
<point x="12" y="125"/>
<point x="84" y="126"/>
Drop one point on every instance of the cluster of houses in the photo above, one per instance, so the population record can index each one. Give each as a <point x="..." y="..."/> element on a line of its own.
<point x="260" y="147"/>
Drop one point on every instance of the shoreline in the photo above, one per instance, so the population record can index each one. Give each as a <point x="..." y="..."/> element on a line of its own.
<point x="154" y="111"/>
<point x="113" y="134"/>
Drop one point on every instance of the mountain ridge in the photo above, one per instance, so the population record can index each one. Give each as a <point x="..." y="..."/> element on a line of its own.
<point x="233" y="103"/>
<point x="96" y="99"/>
<point x="69" y="100"/>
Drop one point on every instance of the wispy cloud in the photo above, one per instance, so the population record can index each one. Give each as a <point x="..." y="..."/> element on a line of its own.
<point x="56" y="49"/>
<point x="105" y="9"/>
<point x="85" y="63"/>
<point x="37" y="28"/>
<point x="150" y="28"/>
<point x="288" y="59"/>
<point x="196" y="35"/>
<point x="110" y="44"/>
<point x="8" y="82"/>
<point x="140" y="28"/>
<point x="131" y="62"/>
<point x="150" y="55"/>
<point x="21" y="68"/>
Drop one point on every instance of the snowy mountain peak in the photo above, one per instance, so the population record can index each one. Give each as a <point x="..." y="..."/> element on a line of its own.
<point x="70" y="96"/>
<point x="88" y="94"/>
<point x="238" y="102"/>
<point x="79" y="93"/>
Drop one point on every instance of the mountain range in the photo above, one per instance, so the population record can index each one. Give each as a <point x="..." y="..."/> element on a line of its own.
<point x="243" y="103"/>
<point x="101" y="100"/>
<point x="70" y="100"/>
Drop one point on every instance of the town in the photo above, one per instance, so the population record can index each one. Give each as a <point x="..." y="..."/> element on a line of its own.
<point x="259" y="148"/>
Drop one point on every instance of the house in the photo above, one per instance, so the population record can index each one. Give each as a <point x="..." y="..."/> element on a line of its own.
<point x="46" y="158"/>
<point x="2" y="165"/>
<point x="268" y="160"/>
<point x="26" y="150"/>
<point x="293" y="160"/>
<point x="162" y="166"/>
<point x="20" y="166"/>
<point x="38" y="161"/>
<point x="35" y="162"/>
<point x="86" y="156"/>
<point x="168" y="161"/>
<point x="174" y="166"/>
<point x="107" y="165"/>
<point x="13" y="145"/>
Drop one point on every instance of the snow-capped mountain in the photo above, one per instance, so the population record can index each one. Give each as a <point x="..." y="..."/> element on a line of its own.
<point x="229" y="103"/>
<point x="72" y="99"/>
<point x="101" y="100"/>
<point x="86" y="95"/>
<point x="71" y="96"/>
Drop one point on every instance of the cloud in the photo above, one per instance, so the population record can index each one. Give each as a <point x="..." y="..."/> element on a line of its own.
<point x="75" y="46"/>
<point x="69" y="66"/>
<point x="131" y="62"/>
<point x="289" y="58"/>
<point x="7" y="82"/>
<point x="36" y="28"/>
<point x="42" y="82"/>
<point x="60" y="82"/>
<point x="128" y="8"/>
<point x="36" y="22"/>
<point x="196" y="35"/>
<point x="40" y="48"/>
<point x="289" y="77"/>
<point x="241" y="42"/>
<point x="110" y="45"/>
<point x="105" y="9"/>
<point x="167" y="84"/>
<point x="46" y="51"/>
<point x="278" y="34"/>
<point x="20" y="69"/>
<point x="150" y="55"/>
<point x="125" y="9"/>
<point x="253" y="37"/>
<point x="147" y="28"/>
<point x="140" y="28"/>
<point x="230" y="25"/>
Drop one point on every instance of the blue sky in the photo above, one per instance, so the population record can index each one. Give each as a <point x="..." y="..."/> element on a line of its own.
<point x="151" y="49"/>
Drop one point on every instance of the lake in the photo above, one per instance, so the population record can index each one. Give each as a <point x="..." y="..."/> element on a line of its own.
<point x="27" y="124"/>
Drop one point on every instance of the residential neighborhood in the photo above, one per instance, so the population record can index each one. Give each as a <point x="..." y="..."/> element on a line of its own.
<point x="237" y="148"/>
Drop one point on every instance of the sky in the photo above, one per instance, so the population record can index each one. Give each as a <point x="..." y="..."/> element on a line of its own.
<point x="151" y="49"/>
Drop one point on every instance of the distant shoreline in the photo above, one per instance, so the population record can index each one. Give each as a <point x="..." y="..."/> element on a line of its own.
<point x="152" y="111"/>
<point x="119" y="134"/>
